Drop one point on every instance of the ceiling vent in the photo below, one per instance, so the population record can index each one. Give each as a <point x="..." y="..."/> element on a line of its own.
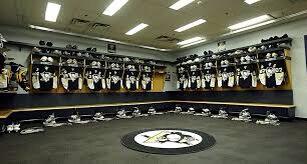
<point x="165" y="38"/>
<point x="79" y="22"/>
<point x="100" y="25"/>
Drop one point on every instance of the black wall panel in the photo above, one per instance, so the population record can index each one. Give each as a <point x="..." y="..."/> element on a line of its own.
<point x="49" y="100"/>
<point x="267" y="97"/>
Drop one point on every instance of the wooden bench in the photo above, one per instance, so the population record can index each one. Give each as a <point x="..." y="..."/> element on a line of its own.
<point x="6" y="113"/>
<point x="289" y="108"/>
<point x="238" y="104"/>
<point x="281" y="110"/>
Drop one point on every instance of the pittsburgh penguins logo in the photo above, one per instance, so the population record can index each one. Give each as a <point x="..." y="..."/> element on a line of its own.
<point x="168" y="141"/>
<point x="176" y="137"/>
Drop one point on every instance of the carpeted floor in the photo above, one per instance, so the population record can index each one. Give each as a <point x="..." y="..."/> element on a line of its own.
<point x="99" y="143"/>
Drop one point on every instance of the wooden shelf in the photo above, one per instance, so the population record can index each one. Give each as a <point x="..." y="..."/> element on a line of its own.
<point x="91" y="67"/>
<point x="45" y="63"/>
<point x="68" y="65"/>
<point x="239" y="104"/>
<point x="285" y="40"/>
<point x="45" y="54"/>
<point x="29" y="45"/>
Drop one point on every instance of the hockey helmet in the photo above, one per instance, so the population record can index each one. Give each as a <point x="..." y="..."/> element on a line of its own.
<point x="50" y="59"/>
<point x="274" y="55"/>
<point x="44" y="59"/>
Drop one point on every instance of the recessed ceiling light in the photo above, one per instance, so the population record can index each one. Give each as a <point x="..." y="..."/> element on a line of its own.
<point x="137" y="29"/>
<point x="250" y="22"/>
<point x="52" y="12"/>
<point x="190" y="25"/>
<point x="251" y="1"/>
<point x="194" y="43"/>
<point x="180" y="4"/>
<point x="188" y="41"/>
<point x="114" y="7"/>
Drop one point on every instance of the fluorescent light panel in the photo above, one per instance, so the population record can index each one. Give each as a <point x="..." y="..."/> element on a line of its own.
<point x="180" y="4"/>
<point x="190" y="25"/>
<point x="250" y="22"/>
<point x="251" y="1"/>
<point x="194" y="43"/>
<point x="252" y="27"/>
<point x="114" y="7"/>
<point x="137" y="29"/>
<point x="188" y="41"/>
<point x="52" y="12"/>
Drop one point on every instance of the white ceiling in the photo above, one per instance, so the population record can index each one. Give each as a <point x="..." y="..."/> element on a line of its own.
<point x="161" y="20"/>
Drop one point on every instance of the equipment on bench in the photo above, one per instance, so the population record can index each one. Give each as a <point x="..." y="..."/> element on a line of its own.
<point x="205" y="112"/>
<point x="243" y="116"/>
<point x="152" y="111"/>
<point x="137" y="113"/>
<point x="122" y="114"/>
<point x="51" y="122"/>
<point x="178" y="109"/>
<point x="271" y="119"/>
<point x="222" y="114"/>
<point x="32" y="130"/>
<point x="190" y="111"/>
<point x="100" y="117"/>
<point x="13" y="127"/>
<point x="76" y="119"/>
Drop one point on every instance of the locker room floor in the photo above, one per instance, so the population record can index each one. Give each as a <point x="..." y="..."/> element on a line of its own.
<point x="100" y="143"/>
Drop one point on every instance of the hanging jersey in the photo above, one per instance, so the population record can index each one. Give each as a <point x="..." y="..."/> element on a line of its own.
<point x="246" y="73"/>
<point x="114" y="79"/>
<point x="114" y="76"/>
<point x="44" y="77"/>
<point x="4" y="79"/>
<point x="94" y="78"/>
<point x="131" y="77"/>
<point x="226" y="77"/>
<point x="262" y="74"/>
<point x="270" y="75"/>
<point x="208" y="78"/>
<point x="146" y="77"/>
<point x="280" y="73"/>
<point x="195" y="77"/>
<point x="183" y="78"/>
<point x="71" y="78"/>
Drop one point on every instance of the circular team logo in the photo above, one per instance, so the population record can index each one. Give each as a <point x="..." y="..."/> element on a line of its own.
<point x="168" y="141"/>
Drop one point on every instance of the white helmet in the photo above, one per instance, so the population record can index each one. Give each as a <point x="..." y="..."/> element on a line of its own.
<point x="44" y="59"/>
<point x="50" y="59"/>
<point x="210" y="64"/>
<point x="274" y="55"/>
<point x="248" y="58"/>
<point x="197" y="60"/>
<point x="69" y="61"/>
<point x="74" y="61"/>
<point x="94" y="63"/>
